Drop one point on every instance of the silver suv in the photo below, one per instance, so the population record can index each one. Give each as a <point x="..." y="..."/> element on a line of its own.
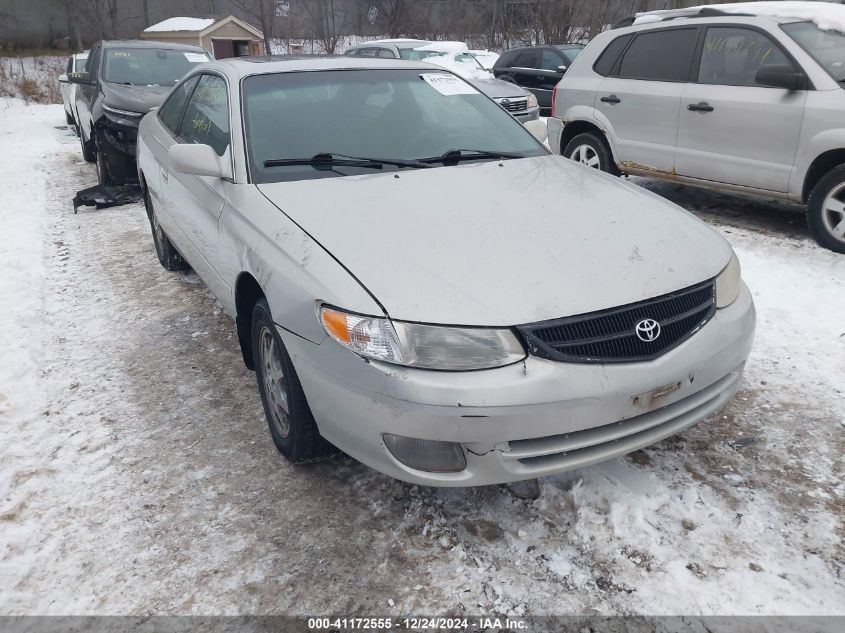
<point x="745" y="98"/>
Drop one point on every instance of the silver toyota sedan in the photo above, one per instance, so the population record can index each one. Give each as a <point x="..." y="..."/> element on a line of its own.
<point x="418" y="282"/>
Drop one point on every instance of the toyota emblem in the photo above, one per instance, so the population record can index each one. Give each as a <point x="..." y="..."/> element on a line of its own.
<point x="647" y="330"/>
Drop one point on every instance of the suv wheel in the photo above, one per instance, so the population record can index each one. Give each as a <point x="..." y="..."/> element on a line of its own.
<point x="590" y="149"/>
<point x="289" y="417"/>
<point x="826" y="210"/>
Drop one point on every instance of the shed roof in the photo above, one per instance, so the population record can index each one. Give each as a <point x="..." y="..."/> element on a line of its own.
<point x="181" y="24"/>
<point x="200" y="26"/>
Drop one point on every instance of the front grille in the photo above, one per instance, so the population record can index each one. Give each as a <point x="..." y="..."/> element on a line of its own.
<point x="610" y="336"/>
<point x="519" y="104"/>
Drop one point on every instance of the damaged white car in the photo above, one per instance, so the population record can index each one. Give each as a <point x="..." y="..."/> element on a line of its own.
<point x="419" y="283"/>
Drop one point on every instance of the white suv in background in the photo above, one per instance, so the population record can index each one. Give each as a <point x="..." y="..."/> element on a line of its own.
<point x="745" y="97"/>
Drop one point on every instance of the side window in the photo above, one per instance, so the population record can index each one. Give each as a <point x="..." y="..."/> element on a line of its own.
<point x="732" y="56"/>
<point x="93" y="62"/>
<point x="527" y="58"/>
<point x="607" y="60"/>
<point x="69" y="65"/>
<point x="504" y="60"/>
<point x="206" y="118"/>
<point x="660" y="55"/>
<point x="170" y="112"/>
<point x="551" y="60"/>
<point x="367" y="52"/>
<point x="351" y="53"/>
<point x="385" y="52"/>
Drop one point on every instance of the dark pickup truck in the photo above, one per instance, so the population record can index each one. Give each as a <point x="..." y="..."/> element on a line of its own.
<point x="123" y="81"/>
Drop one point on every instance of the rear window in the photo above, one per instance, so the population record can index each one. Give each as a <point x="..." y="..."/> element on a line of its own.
<point x="607" y="60"/>
<point x="660" y="56"/>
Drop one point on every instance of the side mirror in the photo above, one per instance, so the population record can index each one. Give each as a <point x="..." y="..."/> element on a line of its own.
<point x="538" y="129"/>
<point x="781" y="76"/>
<point x="63" y="79"/>
<point x="79" y="78"/>
<point x="198" y="160"/>
<point x="562" y="68"/>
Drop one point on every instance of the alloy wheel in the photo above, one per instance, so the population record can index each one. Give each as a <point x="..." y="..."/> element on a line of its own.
<point x="273" y="377"/>
<point x="586" y="155"/>
<point x="833" y="212"/>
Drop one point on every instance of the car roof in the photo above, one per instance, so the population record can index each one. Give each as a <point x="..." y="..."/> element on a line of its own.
<point x="243" y="66"/>
<point x="741" y="11"/>
<point x="396" y="42"/>
<point x="150" y="44"/>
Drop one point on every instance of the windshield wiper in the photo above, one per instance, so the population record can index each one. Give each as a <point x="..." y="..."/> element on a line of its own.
<point x="454" y="156"/>
<point x="328" y="160"/>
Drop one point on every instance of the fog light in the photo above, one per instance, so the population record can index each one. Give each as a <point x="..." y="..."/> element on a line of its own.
<point x="429" y="455"/>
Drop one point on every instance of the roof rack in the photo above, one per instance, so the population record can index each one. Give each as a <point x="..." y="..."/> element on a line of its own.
<point x="675" y="14"/>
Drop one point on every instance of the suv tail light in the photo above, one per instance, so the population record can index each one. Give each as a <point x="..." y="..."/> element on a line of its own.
<point x="554" y="98"/>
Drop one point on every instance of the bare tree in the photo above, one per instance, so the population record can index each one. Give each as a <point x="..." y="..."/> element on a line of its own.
<point x="264" y="13"/>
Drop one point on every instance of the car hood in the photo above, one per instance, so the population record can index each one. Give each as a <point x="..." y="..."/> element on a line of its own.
<point x="498" y="89"/>
<point x="503" y="244"/>
<point x="134" y="98"/>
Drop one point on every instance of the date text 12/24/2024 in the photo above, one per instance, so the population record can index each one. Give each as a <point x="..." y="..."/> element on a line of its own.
<point x="416" y="624"/>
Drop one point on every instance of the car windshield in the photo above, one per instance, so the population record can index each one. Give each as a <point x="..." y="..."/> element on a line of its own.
<point x="826" y="47"/>
<point x="149" y="66"/>
<point x="391" y="114"/>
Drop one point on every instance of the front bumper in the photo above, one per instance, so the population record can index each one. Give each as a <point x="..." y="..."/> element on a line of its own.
<point x="555" y="128"/>
<point x="528" y="420"/>
<point x="529" y="115"/>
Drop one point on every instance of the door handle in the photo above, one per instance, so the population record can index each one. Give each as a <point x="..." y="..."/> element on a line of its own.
<point x="700" y="107"/>
<point x="612" y="99"/>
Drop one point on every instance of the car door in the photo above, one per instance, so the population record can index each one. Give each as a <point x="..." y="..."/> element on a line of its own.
<point x="547" y="75"/>
<point x="87" y="93"/>
<point x="155" y="166"/>
<point x="524" y="67"/>
<point x="641" y="97"/>
<point x="196" y="202"/>
<point x="731" y="129"/>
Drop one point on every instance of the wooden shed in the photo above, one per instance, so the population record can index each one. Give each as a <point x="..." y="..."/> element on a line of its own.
<point x="226" y="37"/>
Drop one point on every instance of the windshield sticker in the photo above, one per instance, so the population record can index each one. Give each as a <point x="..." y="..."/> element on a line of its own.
<point x="195" y="57"/>
<point x="448" y="85"/>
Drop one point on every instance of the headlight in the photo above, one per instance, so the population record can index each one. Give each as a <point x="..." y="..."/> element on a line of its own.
<point x="532" y="100"/>
<point x="423" y="346"/>
<point x="728" y="282"/>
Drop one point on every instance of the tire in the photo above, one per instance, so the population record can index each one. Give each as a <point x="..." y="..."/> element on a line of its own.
<point x="89" y="152"/>
<point x="826" y="210"/>
<point x="168" y="256"/>
<point x="592" y="150"/>
<point x="289" y="417"/>
<point x="69" y="119"/>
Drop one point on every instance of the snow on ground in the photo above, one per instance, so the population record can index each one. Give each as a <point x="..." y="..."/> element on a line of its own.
<point x="138" y="476"/>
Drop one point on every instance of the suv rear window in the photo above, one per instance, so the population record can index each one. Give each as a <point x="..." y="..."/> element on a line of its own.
<point x="660" y="55"/>
<point x="607" y="60"/>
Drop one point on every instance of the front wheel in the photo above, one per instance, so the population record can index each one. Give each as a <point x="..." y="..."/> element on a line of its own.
<point x="591" y="150"/>
<point x="289" y="417"/>
<point x="826" y="210"/>
<point x="89" y="152"/>
<point x="167" y="254"/>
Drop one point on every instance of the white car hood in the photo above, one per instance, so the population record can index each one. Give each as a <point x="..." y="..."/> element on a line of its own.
<point x="503" y="244"/>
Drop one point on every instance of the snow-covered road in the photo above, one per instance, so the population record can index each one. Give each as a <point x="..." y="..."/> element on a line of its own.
<point x="137" y="474"/>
